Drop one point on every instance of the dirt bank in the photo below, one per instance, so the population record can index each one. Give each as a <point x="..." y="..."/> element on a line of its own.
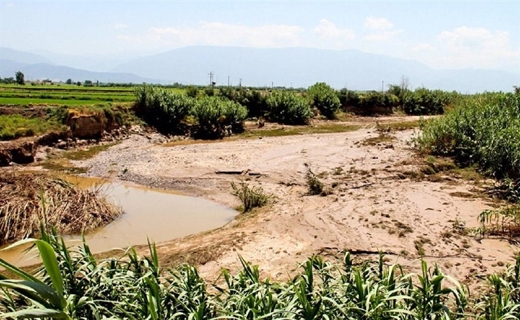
<point x="373" y="206"/>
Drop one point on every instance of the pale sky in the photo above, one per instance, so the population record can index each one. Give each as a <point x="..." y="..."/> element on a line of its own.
<point x="450" y="34"/>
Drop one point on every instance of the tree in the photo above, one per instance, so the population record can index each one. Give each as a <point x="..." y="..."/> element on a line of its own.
<point x="20" y="78"/>
<point x="69" y="81"/>
<point x="325" y="99"/>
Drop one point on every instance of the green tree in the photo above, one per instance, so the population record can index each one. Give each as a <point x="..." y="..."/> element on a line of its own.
<point x="20" y="78"/>
<point x="69" y="81"/>
<point x="325" y="99"/>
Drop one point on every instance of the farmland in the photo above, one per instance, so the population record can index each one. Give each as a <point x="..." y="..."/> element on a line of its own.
<point x="394" y="190"/>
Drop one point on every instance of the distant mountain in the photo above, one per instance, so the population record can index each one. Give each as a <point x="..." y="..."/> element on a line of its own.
<point x="56" y="73"/>
<point x="21" y="57"/>
<point x="301" y="67"/>
<point x="296" y="67"/>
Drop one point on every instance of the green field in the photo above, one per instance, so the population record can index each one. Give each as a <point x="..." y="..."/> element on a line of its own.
<point x="66" y="95"/>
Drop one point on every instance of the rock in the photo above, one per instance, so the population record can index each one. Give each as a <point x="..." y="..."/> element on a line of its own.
<point x="87" y="125"/>
<point x="19" y="151"/>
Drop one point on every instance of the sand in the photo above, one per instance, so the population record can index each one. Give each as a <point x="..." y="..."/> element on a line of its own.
<point x="373" y="206"/>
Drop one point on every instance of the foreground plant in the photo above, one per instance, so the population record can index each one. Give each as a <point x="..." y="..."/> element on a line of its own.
<point x="73" y="284"/>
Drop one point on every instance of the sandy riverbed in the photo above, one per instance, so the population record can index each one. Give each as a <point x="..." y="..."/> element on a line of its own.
<point x="372" y="207"/>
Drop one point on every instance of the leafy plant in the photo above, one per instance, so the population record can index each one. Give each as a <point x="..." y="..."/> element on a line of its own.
<point x="288" y="108"/>
<point x="217" y="118"/>
<point x="325" y="99"/>
<point x="314" y="184"/>
<point x="251" y="197"/>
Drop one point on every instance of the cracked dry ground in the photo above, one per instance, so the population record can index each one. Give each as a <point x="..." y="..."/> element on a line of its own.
<point x="373" y="206"/>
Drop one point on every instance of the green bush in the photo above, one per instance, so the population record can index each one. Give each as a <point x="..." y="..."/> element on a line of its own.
<point x="217" y="118"/>
<point x="288" y="108"/>
<point x="348" y="98"/>
<point x="423" y="101"/>
<point x="253" y="100"/>
<point x="162" y="108"/>
<point x="325" y="99"/>
<point x="484" y="130"/>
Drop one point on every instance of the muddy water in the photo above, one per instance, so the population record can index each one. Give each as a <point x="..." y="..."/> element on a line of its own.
<point x="148" y="214"/>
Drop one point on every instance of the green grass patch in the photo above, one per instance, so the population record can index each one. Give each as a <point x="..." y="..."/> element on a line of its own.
<point x="40" y="101"/>
<point x="16" y="126"/>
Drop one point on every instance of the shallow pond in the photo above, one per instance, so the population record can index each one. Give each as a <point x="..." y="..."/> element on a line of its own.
<point x="148" y="214"/>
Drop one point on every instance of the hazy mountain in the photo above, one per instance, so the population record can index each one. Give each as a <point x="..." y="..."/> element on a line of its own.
<point x="21" y="57"/>
<point x="296" y="67"/>
<point x="37" y="67"/>
<point x="301" y="67"/>
<point x="99" y="63"/>
<point x="41" y="71"/>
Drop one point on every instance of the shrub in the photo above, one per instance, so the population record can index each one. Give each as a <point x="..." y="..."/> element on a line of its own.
<point x="423" y="101"/>
<point x="217" y="118"/>
<point x="325" y="99"/>
<point x="192" y="91"/>
<point x="484" y="130"/>
<point x="314" y="184"/>
<point x="253" y="100"/>
<point x="288" y="108"/>
<point x="251" y="197"/>
<point x="162" y="108"/>
<point x="348" y="98"/>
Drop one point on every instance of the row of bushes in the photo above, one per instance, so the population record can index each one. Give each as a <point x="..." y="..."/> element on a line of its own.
<point x="73" y="284"/>
<point x="421" y="101"/>
<point x="216" y="113"/>
<point x="482" y="130"/>
<point x="206" y="117"/>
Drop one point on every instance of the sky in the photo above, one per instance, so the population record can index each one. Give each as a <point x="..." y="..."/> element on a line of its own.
<point x="441" y="34"/>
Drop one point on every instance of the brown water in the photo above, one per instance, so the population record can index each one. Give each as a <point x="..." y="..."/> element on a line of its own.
<point x="148" y="214"/>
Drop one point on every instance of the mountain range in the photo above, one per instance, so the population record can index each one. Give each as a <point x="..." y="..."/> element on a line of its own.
<point x="288" y="67"/>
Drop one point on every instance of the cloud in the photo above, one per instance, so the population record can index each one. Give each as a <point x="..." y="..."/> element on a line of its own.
<point x="221" y="34"/>
<point x="327" y="30"/>
<point x="330" y="36"/>
<point x="424" y="46"/>
<point x="476" y="47"/>
<point x="374" y="23"/>
<point x="119" y="26"/>
<point x="379" y="29"/>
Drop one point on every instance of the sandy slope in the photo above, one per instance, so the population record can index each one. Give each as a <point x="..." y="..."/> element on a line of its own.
<point x="372" y="207"/>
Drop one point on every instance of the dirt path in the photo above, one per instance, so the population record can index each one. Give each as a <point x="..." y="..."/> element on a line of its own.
<point x="373" y="205"/>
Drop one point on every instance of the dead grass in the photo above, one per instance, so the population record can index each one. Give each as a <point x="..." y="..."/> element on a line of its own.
<point x="26" y="199"/>
<point x="399" y="126"/>
<point x="382" y="138"/>
<point x="333" y="127"/>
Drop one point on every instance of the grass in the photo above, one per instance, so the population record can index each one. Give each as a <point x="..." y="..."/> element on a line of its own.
<point x="16" y="126"/>
<point x="298" y="130"/>
<point x="251" y="197"/>
<point x="399" y="126"/>
<point x="380" y="139"/>
<point x="83" y="154"/>
<point x="62" y="162"/>
<point x="40" y="101"/>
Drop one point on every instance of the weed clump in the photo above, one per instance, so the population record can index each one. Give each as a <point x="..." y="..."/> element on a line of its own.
<point x="314" y="184"/>
<point x="251" y="197"/>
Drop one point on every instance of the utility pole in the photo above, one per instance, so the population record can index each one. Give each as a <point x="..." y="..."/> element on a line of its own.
<point x="228" y="81"/>
<point x="240" y="83"/>
<point x="383" y="87"/>
<point x="211" y="78"/>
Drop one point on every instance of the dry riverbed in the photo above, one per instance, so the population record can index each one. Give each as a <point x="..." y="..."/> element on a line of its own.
<point x="376" y="201"/>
